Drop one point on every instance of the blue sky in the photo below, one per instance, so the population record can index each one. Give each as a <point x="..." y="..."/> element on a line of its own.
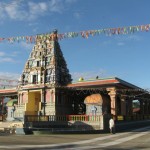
<point x="123" y="56"/>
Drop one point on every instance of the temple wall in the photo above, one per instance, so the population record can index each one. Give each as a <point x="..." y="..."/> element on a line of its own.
<point x="63" y="103"/>
<point x="50" y="102"/>
<point x="20" y="108"/>
<point x="50" y="109"/>
<point x="98" y="108"/>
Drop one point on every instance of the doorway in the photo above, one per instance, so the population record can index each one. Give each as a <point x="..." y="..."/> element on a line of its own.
<point x="34" y="103"/>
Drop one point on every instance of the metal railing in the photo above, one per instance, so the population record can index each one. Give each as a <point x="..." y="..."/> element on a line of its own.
<point x="136" y="117"/>
<point x="33" y="118"/>
<point x="84" y="118"/>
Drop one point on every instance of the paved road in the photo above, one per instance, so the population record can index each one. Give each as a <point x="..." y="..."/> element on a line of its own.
<point x="138" y="139"/>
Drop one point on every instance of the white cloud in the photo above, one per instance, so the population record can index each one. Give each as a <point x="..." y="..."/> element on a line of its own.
<point x="56" y="6"/>
<point x="29" y="10"/>
<point x="134" y="37"/>
<point x="36" y="9"/>
<point x="128" y="38"/>
<point x="120" y="44"/>
<point x="2" y="54"/>
<point x="2" y="15"/>
<point x="9" y="75"/>
<point x="33" y="24"/>
<point x="11" y="11"/>
<point x="15" y="53"/>
<point x="8" y="79"/>
<point x="27" y="46"/>
<point x="108" y="42"/>
<point x="14" y="11"/>
<point x="3" y="58"/>
<point x="7" y="59"/>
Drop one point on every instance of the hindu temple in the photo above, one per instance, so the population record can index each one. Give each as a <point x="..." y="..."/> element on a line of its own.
<point x="47" y="97"/>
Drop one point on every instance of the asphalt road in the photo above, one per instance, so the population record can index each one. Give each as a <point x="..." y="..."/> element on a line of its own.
<point x="138" y="139"/>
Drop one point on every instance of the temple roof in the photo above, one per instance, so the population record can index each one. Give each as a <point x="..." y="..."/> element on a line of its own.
<point x="46" y="64"/>
<point x="103" y="82"/>
<point x="8" y="92"/>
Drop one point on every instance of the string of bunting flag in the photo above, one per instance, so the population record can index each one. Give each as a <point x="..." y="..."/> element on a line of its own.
<point x="8" y="81"/>
<point x="84" y="34"/>
<point x="3" y="86"/>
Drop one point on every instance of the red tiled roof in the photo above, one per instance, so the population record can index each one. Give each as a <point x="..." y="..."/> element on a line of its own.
<point x="5" y="91"/>
<point x="95" y="82"/>
<point x="102" y="82"/>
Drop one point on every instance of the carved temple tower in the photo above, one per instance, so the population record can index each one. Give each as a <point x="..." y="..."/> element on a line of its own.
<point x="44" y="71"/>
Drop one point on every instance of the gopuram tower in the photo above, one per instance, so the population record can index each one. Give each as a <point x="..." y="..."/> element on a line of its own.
<point x="44" y="72"/>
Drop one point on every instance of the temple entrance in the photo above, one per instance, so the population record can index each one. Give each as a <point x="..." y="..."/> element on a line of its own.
<point x="34" y="103"/>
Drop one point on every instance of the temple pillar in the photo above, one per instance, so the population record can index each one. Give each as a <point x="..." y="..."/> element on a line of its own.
<point x="43" y="101"/>
<point x="113" y="104"/>
<point x="141" y="107"/>
<point x="148" y="107"/>
<point x="145" y="107"/>
<point x="2" y="104"/>
<point x="123" y="106"/>
<point x="130" y="107"/>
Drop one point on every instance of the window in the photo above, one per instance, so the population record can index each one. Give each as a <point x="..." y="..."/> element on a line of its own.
<point x="38" y="63"/>
<point x="34" y="64"/>
<point x="30" y="64"/>
<point x="34" y="79"/>
<point x="48" y="74"/>
<point x="47" y="60"/>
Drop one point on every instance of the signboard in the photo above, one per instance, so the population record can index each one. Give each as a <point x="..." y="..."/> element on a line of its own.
<point x="120" y="118"/>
